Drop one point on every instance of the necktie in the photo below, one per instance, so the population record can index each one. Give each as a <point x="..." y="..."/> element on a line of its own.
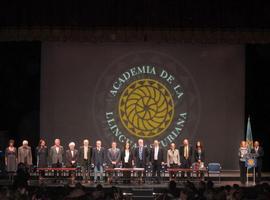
<point x="186" y="152"/>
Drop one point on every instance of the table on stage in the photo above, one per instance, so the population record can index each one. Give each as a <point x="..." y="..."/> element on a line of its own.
<point x="199" y="173"/>
<point x="119" y="173"/>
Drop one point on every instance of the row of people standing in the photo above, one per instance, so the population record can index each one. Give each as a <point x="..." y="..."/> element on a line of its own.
<point x="98" y="156"/>
<point x="13" y="157"/>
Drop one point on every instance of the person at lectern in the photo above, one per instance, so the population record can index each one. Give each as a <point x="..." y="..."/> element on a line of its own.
<point x="25" y="154"/>
<point x="140" y="157"/>
<point x="127" y="159"/>
<point x="57" y="154"/>
<point x="157" y="160"/>
<point x="185" y="156"/>
<point x="85" y="154"/>
<point x="258" y="151"/>
<point x="242" y="153"/>
<point x="173" y="159"/>
<point x="98" y="160"/>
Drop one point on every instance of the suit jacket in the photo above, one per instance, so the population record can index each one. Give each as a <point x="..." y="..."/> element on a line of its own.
<point x="144" y="156"/>
<point x="56" y="157"/>
<point x="181" y="151"/>
<point x="25" y="155"/>
<point x="130" y="158"/>
<point x="81" y="155"/>
<point x="98" y="157"/>
<point x="160" y="155"/>
<point x="173" y="157"/>
<point x="70" y="158"/>
<point x="259" y="155"/>
<point x="197" y="155"/>
<point x="113" y="156"/>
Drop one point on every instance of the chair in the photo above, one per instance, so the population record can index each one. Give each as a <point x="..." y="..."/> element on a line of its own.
<point x="214" y="168"/>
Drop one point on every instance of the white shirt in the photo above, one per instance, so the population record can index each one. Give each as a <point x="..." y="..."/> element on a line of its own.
<point x="72" y="153"/>
<point x="126" y="156"/>
<point x="57" y="149"/>
<point x="85" y="149"/>
<point x="156" y="153"/>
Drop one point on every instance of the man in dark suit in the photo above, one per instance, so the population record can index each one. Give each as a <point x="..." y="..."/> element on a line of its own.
<point x="141" y="156"/>
<point x="72" y="156"/>
<point x="85" y="154"/>
<point x="157" y="159"/>
<point x="258" y="151"/>
<point x="113" y="158"/>
<point x="98" y="160"/>
<point x="185" y="156"/>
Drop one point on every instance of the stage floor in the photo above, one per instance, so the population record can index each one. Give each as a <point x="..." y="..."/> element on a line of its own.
<point x="227" y="178"/>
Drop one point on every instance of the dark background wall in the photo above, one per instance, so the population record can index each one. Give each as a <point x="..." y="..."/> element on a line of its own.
<point x="258" y="95"/>
<point x="77" y="78"/>
<point x="140" y="13"/>
<point x="20" y="93"/>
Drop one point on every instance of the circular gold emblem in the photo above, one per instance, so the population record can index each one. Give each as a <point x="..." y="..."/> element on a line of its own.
<point x="146" y="108"/>
<point x="251" y="162"/>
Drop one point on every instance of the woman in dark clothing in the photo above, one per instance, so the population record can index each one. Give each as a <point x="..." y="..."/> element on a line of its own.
<point x="42" y="154"/>
<point x="199" y="156"/>
<point x="127" y="158"/>
<point x="11" y="158"/>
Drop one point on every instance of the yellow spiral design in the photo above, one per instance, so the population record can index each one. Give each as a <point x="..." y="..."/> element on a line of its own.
<point x="146" y="108"/>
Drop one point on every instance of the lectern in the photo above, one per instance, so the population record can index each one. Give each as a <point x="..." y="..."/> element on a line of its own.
<point x="251" y="163"/>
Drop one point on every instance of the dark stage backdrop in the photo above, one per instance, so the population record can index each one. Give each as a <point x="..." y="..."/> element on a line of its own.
<point x="128" y="91"/>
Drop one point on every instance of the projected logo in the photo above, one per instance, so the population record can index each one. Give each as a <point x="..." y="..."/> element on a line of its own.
<point x="147" y="95"/>
<point x="146" y="108"/>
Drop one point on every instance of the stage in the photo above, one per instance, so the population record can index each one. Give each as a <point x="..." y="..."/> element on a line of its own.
<point x="228" y="177"/>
